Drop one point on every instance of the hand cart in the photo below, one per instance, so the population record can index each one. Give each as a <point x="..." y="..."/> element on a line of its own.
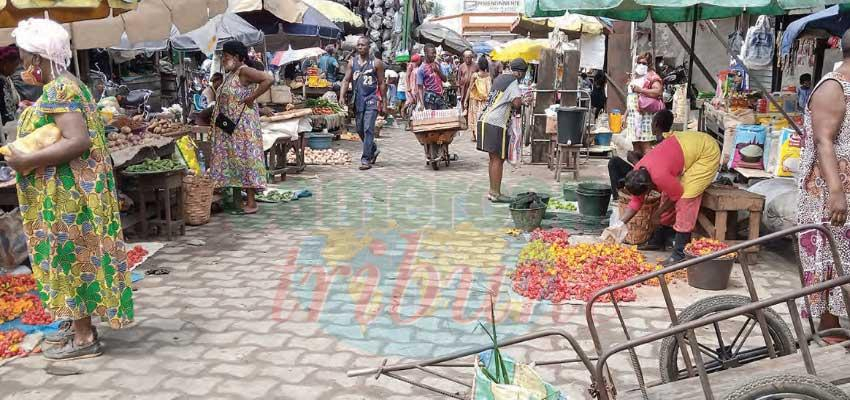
<point x="691" y="366"/>
<point x="435" y="130"/>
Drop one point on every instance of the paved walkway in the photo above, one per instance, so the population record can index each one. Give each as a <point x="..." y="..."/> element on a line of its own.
<point x="390" y="263"/>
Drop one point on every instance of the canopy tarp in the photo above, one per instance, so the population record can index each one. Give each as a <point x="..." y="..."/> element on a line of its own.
<point x="664" y="11"/>
<point x="833" y="20"/>
<point x="572" y="24"/>
<point x="290" y="56"/>
<point x="287" y="10"/>
<point x="221" y="28"/>
<point x="527" y="49"/>
<point x="338" y="13"/>
<point x="439" y="35"/>
<point x="12" y="11"/>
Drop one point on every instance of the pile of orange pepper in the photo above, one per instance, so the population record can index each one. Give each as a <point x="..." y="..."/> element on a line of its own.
<point x="17" y="299"/>
<point x="555" y="271"/>
<point x="10" y="343"/>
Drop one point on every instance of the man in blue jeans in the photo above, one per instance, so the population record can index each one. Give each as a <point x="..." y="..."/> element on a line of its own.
<point x="367" y="75"/>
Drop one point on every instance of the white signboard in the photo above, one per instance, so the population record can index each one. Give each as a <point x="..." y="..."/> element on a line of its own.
<point x="499" y="6"/>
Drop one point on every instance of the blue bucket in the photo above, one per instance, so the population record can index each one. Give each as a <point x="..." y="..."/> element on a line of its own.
<point x="603" y="139"/>
<point x="320" y="141"/>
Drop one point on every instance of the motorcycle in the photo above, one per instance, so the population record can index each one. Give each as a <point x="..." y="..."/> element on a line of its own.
<point x="134" y="101"/>
<point x="671" y="76"/>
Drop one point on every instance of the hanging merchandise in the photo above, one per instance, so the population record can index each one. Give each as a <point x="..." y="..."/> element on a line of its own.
<point x="736" y="41"/>
<point x="757" y="51"/>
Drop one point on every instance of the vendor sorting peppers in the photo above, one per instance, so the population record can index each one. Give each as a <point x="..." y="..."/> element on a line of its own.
<point x="681" y="168"/>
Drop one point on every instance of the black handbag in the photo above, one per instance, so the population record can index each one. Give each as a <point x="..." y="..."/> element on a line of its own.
<point x="226" y="124"/>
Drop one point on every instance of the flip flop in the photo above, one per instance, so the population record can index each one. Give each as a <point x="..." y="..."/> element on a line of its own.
<point x="499" y="199"/>
<point x="249" y="211"/>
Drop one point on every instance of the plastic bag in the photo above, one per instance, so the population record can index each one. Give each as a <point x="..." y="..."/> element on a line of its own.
<point x="515" y="144"/>
<point x="526" y="384"/>
<point x="789" y="153"/>
<point x="189" y="152"/>
<point x="757" y="51"/>
<point x="13" y="241"/>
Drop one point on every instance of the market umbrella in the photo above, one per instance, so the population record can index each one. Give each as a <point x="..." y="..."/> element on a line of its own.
<point x="338" y="13"/>
<point x="12" y="11"/>
<point x="313" y="24"/>
<point x="664" y="11"/>
<point x="287" y="10"/>
<point x="833" y="20"/>
<point x="572" y="24"/>
<point x="290" y="56"/>
<point x="482" y="48"/>
<point x="527" y="49"/>
<point x="216" y="32"/>
<point x="439" y="35"/>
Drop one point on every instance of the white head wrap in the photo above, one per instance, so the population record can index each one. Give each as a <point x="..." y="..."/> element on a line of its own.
<point x="46" y="38"/>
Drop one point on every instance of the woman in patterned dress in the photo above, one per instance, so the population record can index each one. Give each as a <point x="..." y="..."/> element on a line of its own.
<point x="639" y="124"/>
<point x="479" y="89"/>
<point x="237" y="160"/>
<point x="824" y="185"/>
<point x="68" y="200"/>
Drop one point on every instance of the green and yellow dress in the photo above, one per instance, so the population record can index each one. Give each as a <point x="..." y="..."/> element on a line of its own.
<point x="72" y="220"/>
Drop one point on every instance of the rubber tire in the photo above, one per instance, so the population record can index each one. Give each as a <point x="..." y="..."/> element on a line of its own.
<point x="669" y="351"/>
<point x="808" y="385"/>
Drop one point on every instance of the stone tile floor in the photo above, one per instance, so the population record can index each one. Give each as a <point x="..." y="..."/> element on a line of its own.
<point x="394" y="262"/>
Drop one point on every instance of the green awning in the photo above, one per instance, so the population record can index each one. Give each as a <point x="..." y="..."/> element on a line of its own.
<point x="664" y="11"/>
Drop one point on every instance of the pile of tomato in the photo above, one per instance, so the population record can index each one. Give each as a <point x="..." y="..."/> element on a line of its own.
<point x="550" y="269"/>
<point x="706" y="246"/>
<point x="17" y="299"/>
<point x="10" y="343"/>
<point x="135" y="256"/>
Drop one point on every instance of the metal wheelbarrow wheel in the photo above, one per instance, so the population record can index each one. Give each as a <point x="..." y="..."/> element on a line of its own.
<point x="798" y="387"/>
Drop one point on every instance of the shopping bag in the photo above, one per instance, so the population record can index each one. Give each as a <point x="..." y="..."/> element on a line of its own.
<point x="13" y="241"/>
<point x="515" y="137"/>
<point x="526" y="384"/>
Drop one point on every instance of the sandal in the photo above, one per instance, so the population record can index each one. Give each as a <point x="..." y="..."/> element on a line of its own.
<point x="250" y="211"/>
<point x="65" y="332"/>
<point x="72" y="351"/>
<point x="499" y="198"/>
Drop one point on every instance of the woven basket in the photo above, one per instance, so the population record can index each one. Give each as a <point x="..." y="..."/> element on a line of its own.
<point x="641" y="226"/>
<point x="197" y="199"/>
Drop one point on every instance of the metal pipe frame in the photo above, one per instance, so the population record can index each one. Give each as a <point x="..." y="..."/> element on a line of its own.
<point x="755" y="307"/>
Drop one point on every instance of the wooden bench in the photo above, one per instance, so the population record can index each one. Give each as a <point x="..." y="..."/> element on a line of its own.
<point x="831" y="364"/>
<point x="718" y="215"/>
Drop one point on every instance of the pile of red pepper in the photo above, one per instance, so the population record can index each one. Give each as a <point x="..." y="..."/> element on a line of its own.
<point x="10" y="344"/>
<point x="135" y="256"/>
<point x="550" y="269"/>
<point x="706" y="246"/>
<point x="17" y="299"/>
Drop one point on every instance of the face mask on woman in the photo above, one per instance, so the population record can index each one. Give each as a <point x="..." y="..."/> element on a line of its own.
<point x="641" y="69"/>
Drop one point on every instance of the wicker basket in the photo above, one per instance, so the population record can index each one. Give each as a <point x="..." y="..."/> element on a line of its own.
<point x="641" y="226"/>
<point x="197" y="199"/>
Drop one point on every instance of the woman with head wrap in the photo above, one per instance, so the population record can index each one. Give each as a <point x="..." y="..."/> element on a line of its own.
<point x="68" y="200"/>
<point x="237" y="160"/>
<point x="479" y="89"/>
<point x="493" y="136"/>
<point x="9" y="98"/>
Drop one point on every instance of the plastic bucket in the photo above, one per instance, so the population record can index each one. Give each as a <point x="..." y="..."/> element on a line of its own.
<point x="528" y="219"/>
<point x="571" y="124"/>
<point x="320" y="141"/>
<point x="593" y="198"/>
<point x="711" y="275"/>
<point x="604" y="138"/>
<point x="570" y="192"/>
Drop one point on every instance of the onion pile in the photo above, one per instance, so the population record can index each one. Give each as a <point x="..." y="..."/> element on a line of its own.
<point x="551" y="269"/>
<point x="323" y="157"/>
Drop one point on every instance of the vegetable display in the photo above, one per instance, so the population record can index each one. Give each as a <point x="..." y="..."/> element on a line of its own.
<point x="166" y="127"/>
<point x="276" y="196"/>
<point x="324" y="106"/>
<point x="558" y="204"/>
<point x="323" y="157"/>
<point x="551" y="269"/>
<point x="10" y="344"/>
<point x="150" y="165"/>
<point x="135" y="256"/>
<point x="706" y="246"/>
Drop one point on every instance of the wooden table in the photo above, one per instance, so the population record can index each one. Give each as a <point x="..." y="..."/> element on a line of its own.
<point x="161" y="188"/>
<point x="718" y="215"/>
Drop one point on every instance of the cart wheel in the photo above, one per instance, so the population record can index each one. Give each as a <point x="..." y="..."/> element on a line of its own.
<point x="801" y="387"/>
<point x="435" y="164"/>
<point x="721" y="352"/>
<point x="446" y="155"/>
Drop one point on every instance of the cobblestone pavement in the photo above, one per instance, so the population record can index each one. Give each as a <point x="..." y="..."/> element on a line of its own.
<point x="393" y="262"/>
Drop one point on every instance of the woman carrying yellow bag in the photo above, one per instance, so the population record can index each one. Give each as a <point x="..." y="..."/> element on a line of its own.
<point x="479" y="89"/>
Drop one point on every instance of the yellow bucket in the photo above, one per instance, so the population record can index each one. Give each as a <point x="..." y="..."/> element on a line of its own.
<point x="615" y="122"/>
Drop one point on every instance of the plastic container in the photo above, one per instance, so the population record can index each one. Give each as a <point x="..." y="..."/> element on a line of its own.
<point x="320" y="140"/>
<point x="527" y="219"/>
<point x="615" y="121"/>
<point x="571" y="121"/>
<point x="570" y="191"/>
<point x="603" y="138"/>
<point x="711" y="275"/>
<point x="593" y="198"/>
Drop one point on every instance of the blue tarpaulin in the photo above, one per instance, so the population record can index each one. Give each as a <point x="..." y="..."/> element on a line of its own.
<point x="833" y="20"/>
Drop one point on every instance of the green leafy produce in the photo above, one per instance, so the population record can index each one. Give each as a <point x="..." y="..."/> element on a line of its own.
<point x="323" y="103"/>
<point x="558" y="204"/>
<point x="276" y="196"/>
<point x="151" y="165"/>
